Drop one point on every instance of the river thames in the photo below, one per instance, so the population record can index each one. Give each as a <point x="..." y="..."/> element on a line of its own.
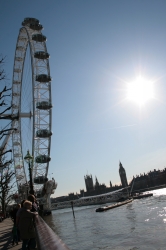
<point x="137" y="225"/>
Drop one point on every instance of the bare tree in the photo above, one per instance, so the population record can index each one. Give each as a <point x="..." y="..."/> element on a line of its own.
<point x="7" y="186"/>
<point x="5" y="94"/>
<point x="7" y="175"/>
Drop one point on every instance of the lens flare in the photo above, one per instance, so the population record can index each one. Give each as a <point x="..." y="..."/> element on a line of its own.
<point x="140" y="91"/>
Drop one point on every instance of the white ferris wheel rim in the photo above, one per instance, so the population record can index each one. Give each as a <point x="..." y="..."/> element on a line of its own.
<point x="42" y="118"/>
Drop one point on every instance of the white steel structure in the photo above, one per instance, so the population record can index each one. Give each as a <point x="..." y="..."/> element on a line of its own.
<point x="94" y="200"/>
<point x="31" y="104"/>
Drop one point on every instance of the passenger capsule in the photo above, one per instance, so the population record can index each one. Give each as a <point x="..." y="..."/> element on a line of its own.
<point x="16" y="143"/>
<point x="18" y="166"/>
<point x="30" y="20"/>
<point x="35" y="26"/>
<point x="15" y="132"/>
<point x="39" y="38"/>
<point x="43" y="78"/>
<point x="44" y="105"/>
<point x="17" y="155"/>
<point x="41" y="55"/>
<point x="40" y="179"/>
<point x="20" y="48"/>
<point x="43" y="133"/>
<point x="22" y="38"/>
<point x="16" y="94"/>
<point x="14" y="106"/>
<point x="42" y="159"/>
<point x="20" y="177"/>
<point x="17" y="70"/>
<point x="19" y="59"/>
<point x="16" y="82"/>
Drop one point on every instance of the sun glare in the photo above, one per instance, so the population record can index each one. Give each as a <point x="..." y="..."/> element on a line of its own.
<point x="140" y="91"/>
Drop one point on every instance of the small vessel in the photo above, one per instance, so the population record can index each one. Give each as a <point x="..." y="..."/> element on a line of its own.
<point x="102" y="209"/>
<point x="140" y="196"/>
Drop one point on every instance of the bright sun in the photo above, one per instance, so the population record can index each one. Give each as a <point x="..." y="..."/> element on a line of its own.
<point x="140" y="91"/>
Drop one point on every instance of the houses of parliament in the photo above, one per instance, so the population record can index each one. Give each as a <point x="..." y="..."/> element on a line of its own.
<point x="96" y="188"/>
<point x="140" y="182"/>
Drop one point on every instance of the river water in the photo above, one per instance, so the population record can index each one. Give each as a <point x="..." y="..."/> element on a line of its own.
<point x="137" y="225"/>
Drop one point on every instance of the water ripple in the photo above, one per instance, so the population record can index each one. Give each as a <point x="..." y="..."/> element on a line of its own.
<point x="138" y="225"/>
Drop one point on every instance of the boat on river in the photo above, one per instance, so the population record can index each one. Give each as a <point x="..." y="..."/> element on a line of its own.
<point x="140" y="196"/>
<point x="105" y="208"/>
<point x="115" y="196"/>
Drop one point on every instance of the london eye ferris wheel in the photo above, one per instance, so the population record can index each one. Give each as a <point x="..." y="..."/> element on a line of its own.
<point x="31" y="104"/>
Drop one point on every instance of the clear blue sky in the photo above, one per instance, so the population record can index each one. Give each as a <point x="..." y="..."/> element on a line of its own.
<point x="96" y="47"/>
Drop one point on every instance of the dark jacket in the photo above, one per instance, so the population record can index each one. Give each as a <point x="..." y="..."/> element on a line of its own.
<point x="34" y="207"/>
<point x="26" y="224"/>
<point x="13" y="215"/>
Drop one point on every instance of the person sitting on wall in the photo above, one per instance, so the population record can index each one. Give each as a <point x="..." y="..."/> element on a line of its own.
<point x="26" y="226"/>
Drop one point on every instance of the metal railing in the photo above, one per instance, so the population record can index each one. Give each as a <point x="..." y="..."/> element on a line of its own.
<point x="46" y="238"/>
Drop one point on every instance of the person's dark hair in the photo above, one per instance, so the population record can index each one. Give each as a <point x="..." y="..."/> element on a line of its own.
<point x="31" y="198"/>
<point x="22" y="202"/>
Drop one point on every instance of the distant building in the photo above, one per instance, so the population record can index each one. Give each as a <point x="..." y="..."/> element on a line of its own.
<point x="97" y="184"/>
<point x="143" y="182"/>
<point x="152" y="179"/>
<point x="122" y="174"/>
<point x="89" y="183"/>
<point x="71" y="196"/>
<point x="91" y="190"/>
<point x="82" y="192"/>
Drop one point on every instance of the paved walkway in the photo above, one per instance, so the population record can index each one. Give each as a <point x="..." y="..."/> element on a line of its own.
<point x="6" y="236"/>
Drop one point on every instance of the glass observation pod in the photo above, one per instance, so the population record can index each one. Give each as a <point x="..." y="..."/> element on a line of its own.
<point x="35" y="26"/>
<point x="43" y="105"/>
<point x="16" y="143"/>
<point x="14" y="106"/>
<point x="40" y="180"/>
<point x="42" y="159"/>
<point x="15" y="132"/>
<point x="30" y="20"/>
<point x="41" y="55"/>
<point x="20" y="177"/>
<point x="16" y="82"/>
<point x="43" y="133"/>
<point x="18" y="166"/>
<point x="43" y="78"/>
<point x="17" y="70"/>
<point x="21" y="48"/>
<point x="17" y="155"/>
<point x="19" y="59"/>
<point x="22" y="38"/>
<point x="39" y="38"/>
<point x="16" y="94"/>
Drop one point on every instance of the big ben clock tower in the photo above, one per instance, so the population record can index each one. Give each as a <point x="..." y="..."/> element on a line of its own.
<point x="122" y="174"/>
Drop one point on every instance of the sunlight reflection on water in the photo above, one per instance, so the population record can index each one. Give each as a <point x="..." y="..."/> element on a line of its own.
<point x="137" y="225"/>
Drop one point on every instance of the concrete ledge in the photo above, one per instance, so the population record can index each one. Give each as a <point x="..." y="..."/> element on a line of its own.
<point x="46" y="238"/>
